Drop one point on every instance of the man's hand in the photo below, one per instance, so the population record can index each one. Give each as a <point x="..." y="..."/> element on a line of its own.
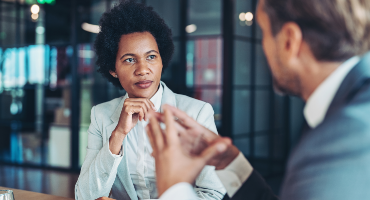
<point x="173" y="164"/>
<point x="104" y="198"/>
<point x="195" y="138"/>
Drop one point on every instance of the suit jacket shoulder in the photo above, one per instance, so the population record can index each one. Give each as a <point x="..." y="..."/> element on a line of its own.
<point x="332" y="160"/>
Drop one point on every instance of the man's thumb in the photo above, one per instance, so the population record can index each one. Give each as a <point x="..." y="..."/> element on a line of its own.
<point x="213" y="150"/>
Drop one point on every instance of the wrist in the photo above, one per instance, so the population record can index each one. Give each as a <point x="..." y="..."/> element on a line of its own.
<point x="232" y="153"/>
<point x="120" y="131"/>
<point x="115" y="142"/>
<point x="161" y="188"/>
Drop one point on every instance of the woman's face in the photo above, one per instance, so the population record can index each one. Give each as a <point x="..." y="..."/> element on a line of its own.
<point x="138" y="64"/>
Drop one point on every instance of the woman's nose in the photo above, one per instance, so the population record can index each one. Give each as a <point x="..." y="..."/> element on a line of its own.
<point x="142" y="69"/>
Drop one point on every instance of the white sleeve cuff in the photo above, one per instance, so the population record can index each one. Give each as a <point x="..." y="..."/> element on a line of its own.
<point x="114" y="156"/>
<point x="179" y="191"/>
<point x="235" y="174"/>
<point x="120" y="154"/>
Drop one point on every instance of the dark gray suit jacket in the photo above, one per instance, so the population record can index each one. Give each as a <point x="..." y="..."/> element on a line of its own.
<point x="331" y="161"/>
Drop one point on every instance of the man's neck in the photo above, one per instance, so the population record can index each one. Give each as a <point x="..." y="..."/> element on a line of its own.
<point x="315" y="74"/>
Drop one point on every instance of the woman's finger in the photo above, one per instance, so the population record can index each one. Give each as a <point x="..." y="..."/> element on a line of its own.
<point x="141" y="102"/>
<point x="151" y="104"/>
<point x="145" y="102"/>
<point x="139" y="110"/>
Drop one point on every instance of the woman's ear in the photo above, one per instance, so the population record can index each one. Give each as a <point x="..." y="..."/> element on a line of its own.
<point x="114" y="74"/>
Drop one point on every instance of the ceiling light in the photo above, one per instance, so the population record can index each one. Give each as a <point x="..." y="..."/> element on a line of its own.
<point x="35" y="16"/>
<point x="248" y="16"/>
<point x="40" y="30"/>
<point x="242" y="16"/>
<point x="90" y="27"/>
<point x="35" y="9"/>
<point x="191" y="28"/>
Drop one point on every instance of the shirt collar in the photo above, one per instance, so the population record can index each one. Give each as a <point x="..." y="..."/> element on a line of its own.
<point x="318" y="103"/>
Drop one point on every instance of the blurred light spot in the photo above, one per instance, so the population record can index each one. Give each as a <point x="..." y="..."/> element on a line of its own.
<point x="86" y="54"/>
<point x="35" y="9"/>
<point x="40" y="30"/>
<point x="209" y="75"/>
<point x="35" y="16"/>
<point x="50" y="1"/>
<point x="248" y="16"/>
<point x="69" y="51"/>
<point x="242" y="16"/>
<point x="20" y="93"/>
<point x="13" y="108"/>
<point x="20" y="106"/>
<point x="249" y="23"/>
<point x="66" y="112"/>
<point x="191" y="28"/>
<point x="2" y="35"/>
<point x="90" y="27"/>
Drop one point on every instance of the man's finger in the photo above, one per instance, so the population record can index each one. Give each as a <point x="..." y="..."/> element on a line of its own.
<point x="183" y="118"/>
<point x="156" y="131"/>
<point x="214" y="150"/>
<point x="171" y="132"/>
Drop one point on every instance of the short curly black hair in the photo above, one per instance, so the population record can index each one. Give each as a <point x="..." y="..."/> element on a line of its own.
<point x="125" y="18"/>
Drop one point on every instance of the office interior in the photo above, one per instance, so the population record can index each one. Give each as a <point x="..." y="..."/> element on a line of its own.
<point x="49" y="83"/>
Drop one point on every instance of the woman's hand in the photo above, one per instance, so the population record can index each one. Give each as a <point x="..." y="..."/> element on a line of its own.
<point x="133" y="109"/>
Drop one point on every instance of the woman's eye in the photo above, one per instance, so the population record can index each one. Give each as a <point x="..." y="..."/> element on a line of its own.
<point x="151" y="57"/>
<point x="129" y="60"/>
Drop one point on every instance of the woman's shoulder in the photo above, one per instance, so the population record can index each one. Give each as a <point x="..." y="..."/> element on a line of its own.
<point x="190" y="105"/>
<point x="108" y="107"/>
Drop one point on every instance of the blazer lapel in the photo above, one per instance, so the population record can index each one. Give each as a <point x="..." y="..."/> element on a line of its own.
<point x="122" y="171"/>
<point x="351" y="83"/>
<point x="124" y="175"/>
<point x="168" y="97"/>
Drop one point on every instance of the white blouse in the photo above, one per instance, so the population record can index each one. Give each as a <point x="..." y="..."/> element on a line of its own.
<point x="141" y="163"/>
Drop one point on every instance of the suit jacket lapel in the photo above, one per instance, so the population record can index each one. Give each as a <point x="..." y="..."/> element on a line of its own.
<point x="122" y="171"/>
<point x="351" y="83"/>
<point x="168" y="97"/>
<point x="124" y="175"/>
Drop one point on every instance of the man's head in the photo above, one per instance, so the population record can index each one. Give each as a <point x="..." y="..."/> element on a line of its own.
<point x="300" y="35"/>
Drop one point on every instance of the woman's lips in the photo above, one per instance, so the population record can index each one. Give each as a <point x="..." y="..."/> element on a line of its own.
<point x="144" y="84"/>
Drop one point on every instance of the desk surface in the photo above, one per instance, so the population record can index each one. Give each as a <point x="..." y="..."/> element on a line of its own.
<point x="22" y="194"/>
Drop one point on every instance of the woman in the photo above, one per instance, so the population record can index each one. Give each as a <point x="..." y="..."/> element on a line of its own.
<point x="133" y="47"/>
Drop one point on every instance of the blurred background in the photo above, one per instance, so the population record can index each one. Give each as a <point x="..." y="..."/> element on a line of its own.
<point x="49" y="83"/>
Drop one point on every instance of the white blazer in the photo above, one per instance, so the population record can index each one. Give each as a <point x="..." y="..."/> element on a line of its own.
<point x="102" y="172"/>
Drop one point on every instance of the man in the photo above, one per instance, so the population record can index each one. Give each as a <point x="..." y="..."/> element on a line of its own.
<point x="316" y="50"/>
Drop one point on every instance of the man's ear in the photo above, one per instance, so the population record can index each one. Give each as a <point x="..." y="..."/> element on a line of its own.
<point x="289" y="42"/>
<point x="114" y="74"/>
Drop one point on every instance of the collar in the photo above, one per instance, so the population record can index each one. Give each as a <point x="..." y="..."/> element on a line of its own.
<point x="318" y="103"/>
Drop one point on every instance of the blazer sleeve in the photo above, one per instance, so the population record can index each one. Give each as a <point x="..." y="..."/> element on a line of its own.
<point x="208" y="185"/>
<point x="254" y="188"/>
<point x="99" y="169"/>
